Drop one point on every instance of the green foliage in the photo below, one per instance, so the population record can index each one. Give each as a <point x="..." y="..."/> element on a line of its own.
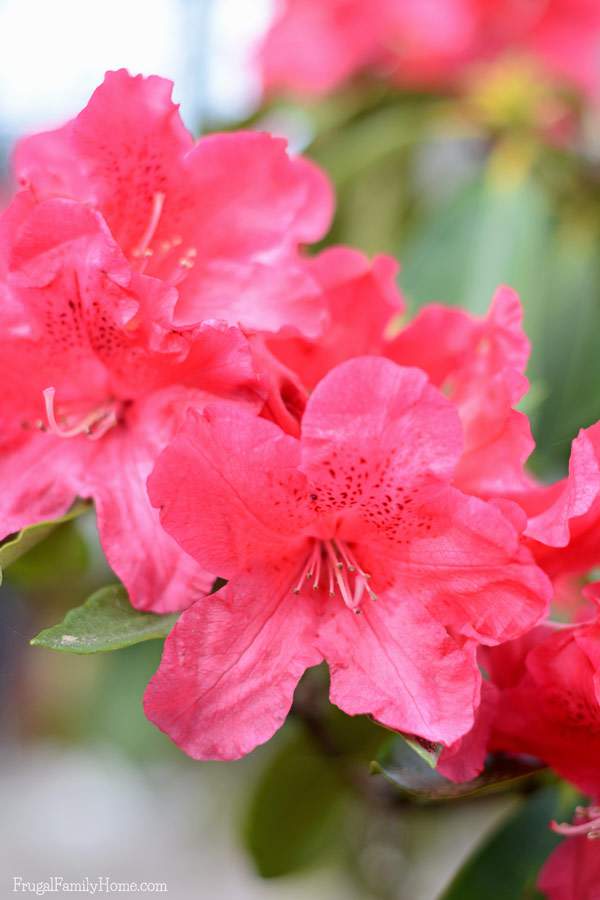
<point x="414" y="774"/>
<point x="507" y="865"/>
<point x="15" y="546"/>
<point x="106" y="621"/>
<point x="295" y="814"/>
<point x="426" y="750"/>
<point x="114" y="710"/>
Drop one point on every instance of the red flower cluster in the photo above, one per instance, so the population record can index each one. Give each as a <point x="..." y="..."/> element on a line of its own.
<point x="315" y="45"/>
<point x="359" y="483"/>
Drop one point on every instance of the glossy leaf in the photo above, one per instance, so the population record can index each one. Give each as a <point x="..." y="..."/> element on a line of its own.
<point x="294" y="814"/>
<point x="506" y="866"/>
<point x="18" y="544"/>
<point x="106" y="621"/>
<point x="488" y="232"/>
<point x="415" y="777"/>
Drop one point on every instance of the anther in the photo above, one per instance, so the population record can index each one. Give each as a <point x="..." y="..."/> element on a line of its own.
<point x="344" y="575"/>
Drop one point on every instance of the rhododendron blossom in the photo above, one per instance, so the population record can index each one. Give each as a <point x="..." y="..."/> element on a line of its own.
<point x="221" y="218"/>
<point x="126" y="263"/>
<point x="350" y="545"/>
<point x="94" y="386"/>
<point x="549" y="701"/>
<point x="361" y="300"/>
<point x="564" y="517"/>
<point x="542" y="699"/>
<point x="315" y="45"/>
<point x="479" y="362"/>
<point x="572" y="872"/>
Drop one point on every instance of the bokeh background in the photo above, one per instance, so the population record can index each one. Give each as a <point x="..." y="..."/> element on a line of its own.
<point x="467" y="191"/>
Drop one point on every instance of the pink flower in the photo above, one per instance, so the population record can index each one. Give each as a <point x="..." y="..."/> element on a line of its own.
<point x="309" y="532"/>
<point x="441" y="43"/>
<point x="464" y="759"/>
<point x="361" y="299"/>
<point x="572" y="872"/>
<point x="94" y="386"/>
<point x="221" y="219"/>
<point x="549" y="704"/>
<point x="315" y="45"/>
<point x="543" y="699"/>
<point x="564" y="517"/>
<point x="479" y="363"/>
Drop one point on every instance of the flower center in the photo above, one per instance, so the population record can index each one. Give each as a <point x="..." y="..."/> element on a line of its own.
<point x="94" y="424"/>
<point x="586" y="821"/>
<point x="335" y="563"/>
<point x="144" y="252"/>
<point x="141" y="249"/>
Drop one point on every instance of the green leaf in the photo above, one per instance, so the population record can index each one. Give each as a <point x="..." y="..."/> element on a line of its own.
<point x="106" y="621"/>
<point x="427" y="750"/>
<point x="415" y="776"/>
<point x="506" y="866"/>
<point x="485" y="234"/>
<point x="295" y="812"/>
<point x="407" y="750"/>
<point x="14" y="547"/>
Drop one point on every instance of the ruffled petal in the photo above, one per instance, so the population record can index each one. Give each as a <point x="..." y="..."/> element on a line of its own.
<point x="479" y="363"/>
<point x="566" y="515"/>
<point x="122" y="151"/>
<point x="39" y="477"/>
<point x="230" y="666"/>
<point x="158" y="574"/>
<point x="468" y="567"/>
<point x="396" y="663"/>
<point x="361" y="299"/>
<point x="372" y="432"/>
<point x="229" y="491"/>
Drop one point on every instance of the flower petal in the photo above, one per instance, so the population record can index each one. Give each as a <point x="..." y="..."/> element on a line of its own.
<point x="230" y="666"/>
<point x="121" y="150"/>
<point x="396" y="663"/>
<point x="157" y="573"/>
<point x="371" y="429"/>
<point x="39" y="477"/>
<point x="570" y="510"/>
<point x="480" y="365"/>
<point x="469" y="568"/>
<point x="464" y="759"/>
<point x="232" y="517"/>
<point x="361" y="299"/>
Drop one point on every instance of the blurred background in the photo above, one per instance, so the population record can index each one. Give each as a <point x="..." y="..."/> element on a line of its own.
<point x="496" y="183"/>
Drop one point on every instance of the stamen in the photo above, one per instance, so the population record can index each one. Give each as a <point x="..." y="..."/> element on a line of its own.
<point x="585" y="821"/>
<point x="344" y="553"/>
<point x="109" y="421"/>
<point x="140" y="249"/>
<point x="317" y="571"/>
<point x="362" y="578"/>
<point x="343" y="573"/>
<point x="183" y="265"/>
<point x="94" y="425"/>
<point x="307" y="570"/>
<point x="340" y="576"/>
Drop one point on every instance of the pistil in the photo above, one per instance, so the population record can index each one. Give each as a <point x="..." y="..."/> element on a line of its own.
<point x="94" y="425"/>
